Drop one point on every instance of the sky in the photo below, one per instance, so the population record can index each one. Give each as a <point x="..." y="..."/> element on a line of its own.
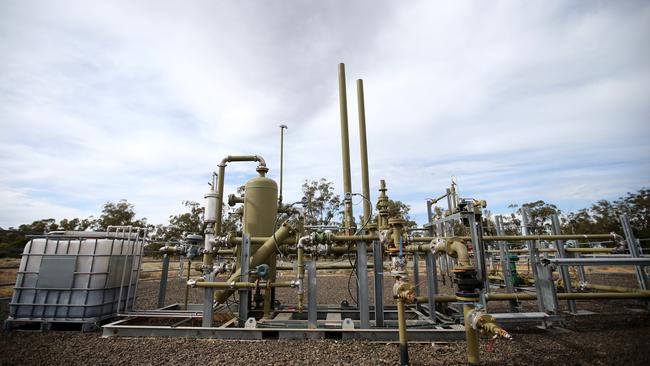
<point x="139" y="100"/>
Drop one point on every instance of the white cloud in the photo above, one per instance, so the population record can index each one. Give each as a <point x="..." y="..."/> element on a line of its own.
<point x="519" y="101"/>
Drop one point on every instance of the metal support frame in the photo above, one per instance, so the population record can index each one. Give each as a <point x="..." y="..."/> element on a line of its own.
<point x="505" y="263"/>
<point x="444" y="268"/>
<point x="475" y="233"/>
<point x="362" y="278"/>
<point x="208" y="296"/>
<point x="564" y="271"/>
<point x="532" y="255"/>
<point x="312" y="312"/>
<point x="378" y="259"/>
<point x="416" y="275"/>
<point x="618" y="261"/>
<point x="432" y="284"/>
<point x="635" y="251"/>
<point x="163" y="281"/>
<point x="244" y="265"/>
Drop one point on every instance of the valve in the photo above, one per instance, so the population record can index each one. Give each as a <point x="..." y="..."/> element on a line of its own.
<point x="480" y="320"/>
<point x="262" y="271"/>
<point x="403" y="289"/>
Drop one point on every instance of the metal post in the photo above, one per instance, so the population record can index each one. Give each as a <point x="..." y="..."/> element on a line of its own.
<point x="532" y="254"/>
<point x="208" y="295"/>
<point x="440" y="231"/>
<point x="635" y="251"/>
<point x="244" y="293"/>
<point x="475" y="233"/>
<point x="163" y="281"/>
<point x="505" y="262"/>
<point x="377" y="254"/>
<point x="430" y="265"/>
<point x="312" y="313"/>
<point x="432" y="284"/>
<point x="362" y="274"/>
<point x="416" y="275"/>
<point x="564" y="271"/>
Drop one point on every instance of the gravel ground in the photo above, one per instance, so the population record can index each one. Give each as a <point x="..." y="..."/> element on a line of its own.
<point x="616" y="337"/>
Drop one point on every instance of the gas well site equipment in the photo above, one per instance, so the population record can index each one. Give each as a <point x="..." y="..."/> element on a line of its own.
<point x="102" y="269"/>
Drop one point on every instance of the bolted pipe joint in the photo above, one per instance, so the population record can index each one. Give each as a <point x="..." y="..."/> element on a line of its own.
<point x="193" y="282"/>
<point x="222" y="241"/>
<point x="404" y="290"/>
<point x="480" y="320"/>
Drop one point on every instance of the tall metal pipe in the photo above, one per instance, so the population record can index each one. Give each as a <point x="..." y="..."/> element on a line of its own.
<point x="282" y="128"/>
<point x="363" y="145"/>
<point x="345" y="147"/>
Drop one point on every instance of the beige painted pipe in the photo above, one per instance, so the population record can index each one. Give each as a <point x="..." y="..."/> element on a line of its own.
<point x="261" y="255"/>
<point x="363" y="146"/>
<point x="426" y="239"/>
<point x="571" y="296"/>
<point x="345" y="148"/>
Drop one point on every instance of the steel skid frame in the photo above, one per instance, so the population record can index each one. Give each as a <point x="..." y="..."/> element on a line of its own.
<point x="377" y="322"/>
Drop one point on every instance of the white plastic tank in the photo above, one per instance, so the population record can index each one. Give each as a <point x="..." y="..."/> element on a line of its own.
<point x="80" y="277"/>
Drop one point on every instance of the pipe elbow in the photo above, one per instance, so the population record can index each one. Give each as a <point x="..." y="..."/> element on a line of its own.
<point x="460" y="251"/>
<point x="260" y="160"/>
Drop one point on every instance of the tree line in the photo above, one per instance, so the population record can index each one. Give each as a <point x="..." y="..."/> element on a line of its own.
<point x="323" y="207"/>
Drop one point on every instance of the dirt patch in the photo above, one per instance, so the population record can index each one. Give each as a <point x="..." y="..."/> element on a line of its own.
<point x="615" y="337"/>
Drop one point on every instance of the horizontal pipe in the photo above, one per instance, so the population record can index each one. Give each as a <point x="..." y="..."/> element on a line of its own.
<point x="437" y="298"/>
<point x="353" y="238"/>
<point x="426" y="239"/>
<point x="571" y="296"/>
<point x="239" y="285"/>
<point x="549" y="237"/>
<point x="321" y="266"/>
<point x="236" y="240"/>
<point x="598" y="261"/>
<point x="592" y="286"/>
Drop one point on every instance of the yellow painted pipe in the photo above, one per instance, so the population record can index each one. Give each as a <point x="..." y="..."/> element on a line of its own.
<point x="261" y="255"/>
<point x="471" y="336"/>
<point x="570" y="296"/>
<point x="363" y="146"/>
<point x="403" y="341"/>
<point x="345" y="147"/>
<point x="437" y="298"/>
<point x="581" y="237"/>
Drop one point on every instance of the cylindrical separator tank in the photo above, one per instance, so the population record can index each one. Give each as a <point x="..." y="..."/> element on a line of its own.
<point x="260" y="212"/>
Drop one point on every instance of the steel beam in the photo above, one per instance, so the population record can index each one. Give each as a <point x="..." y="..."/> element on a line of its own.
<point x="505" y="263"/>
<point x="244" y="293"/>
<point x="379" y="283"/>
<point x="163" y="281"/>
<point x="475" y="233"/>
<point x="635" y="251"/>
<point x="564" y="271"/>
<point x="639" y="262"/>
<point x="312" y="312"/>
<point x="432" y="284"/>
<point x="362" y="278"/>
<point x="208" y="296"/>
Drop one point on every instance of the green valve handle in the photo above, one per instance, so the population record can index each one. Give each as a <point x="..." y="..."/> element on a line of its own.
<point x="262" y="271"/>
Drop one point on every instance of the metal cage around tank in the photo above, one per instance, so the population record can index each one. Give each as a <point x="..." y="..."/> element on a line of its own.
<point x="77" y="277"/>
